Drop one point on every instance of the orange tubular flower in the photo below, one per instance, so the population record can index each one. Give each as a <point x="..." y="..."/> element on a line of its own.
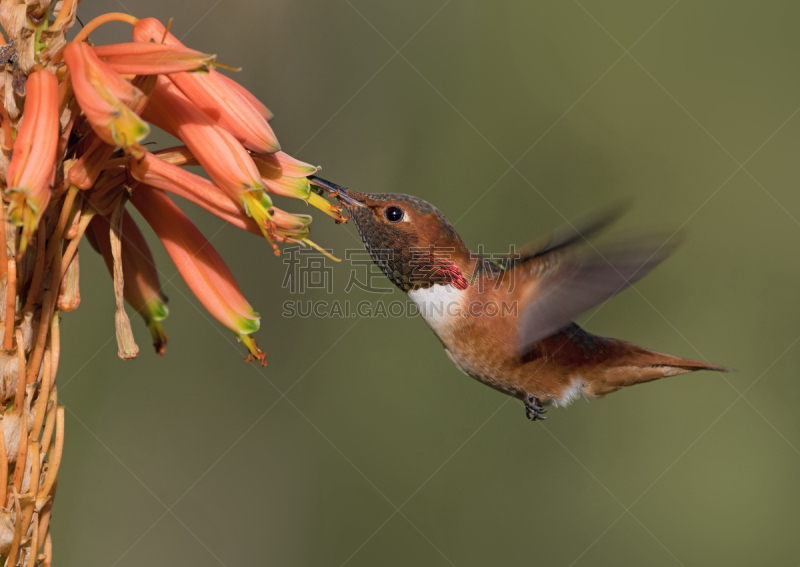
<point x="85" y="171"/>
<point x="142" y="289"/>
<point x="106" y="98"/>
<point x="245" y="94"/>
<point x="282" y="175"/>
<point x="216" y="97"/>
<point x="153" y="171"/>
<point x="73" y="121"/>
<point x="221" y="155"/>
<point x="201" y="267"/>
<point x="286" y="176"/>
<point x="139" y="58"/>
<point x="32" y="169"/>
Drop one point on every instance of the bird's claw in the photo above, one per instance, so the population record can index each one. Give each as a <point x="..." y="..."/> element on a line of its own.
<point x="533" y="409"/>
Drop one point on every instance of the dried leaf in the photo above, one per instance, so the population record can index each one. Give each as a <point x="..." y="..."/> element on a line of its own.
<point x="3" y="168"/>
<point x="9" y="372"/>
<point x="8" y="53"/>
<point x="9" y="101"/>
<point x="19" y="78"/>
<point x="127" y="348"/>
<point x="55" y="38"/>
<point x="69" y="295"/>
<point x="13" y="16"/>
<point x="6" y="531"/>
<point x="26" y="49"/>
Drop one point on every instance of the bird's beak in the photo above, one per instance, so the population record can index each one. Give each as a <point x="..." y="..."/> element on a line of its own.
<point x="345" y="196"/>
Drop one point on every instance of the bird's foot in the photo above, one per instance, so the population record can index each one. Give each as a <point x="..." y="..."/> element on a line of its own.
<point x="533" y="409"/>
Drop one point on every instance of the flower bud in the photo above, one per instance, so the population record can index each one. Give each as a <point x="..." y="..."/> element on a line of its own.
<point x="32" y="168"/>
<point x="201" y="266"/>
<point x="106" y="99"/>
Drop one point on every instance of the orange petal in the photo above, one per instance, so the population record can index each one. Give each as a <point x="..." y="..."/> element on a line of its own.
<point x="220" y="154"/>
<point x="245" y="94"/>
<point x="283" y="175"/>
<point x="155" y="172"/>
<point x="281" y="164"/>
<point x="200" y="265"/>
<point x="237" y="116"/>
<point x="32" y="168"/>
<point x="177" y="155"/>
<point x="214" y="96"/>
<point x="139" y="58"/>
<point x="106" y="98"/>
<point x="84" y="172"/>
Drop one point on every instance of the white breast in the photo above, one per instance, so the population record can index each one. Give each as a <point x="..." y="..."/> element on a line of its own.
<point x="438" y="305"/>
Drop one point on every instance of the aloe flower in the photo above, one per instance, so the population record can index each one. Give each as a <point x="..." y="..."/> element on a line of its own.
<point x="32" y="169"/>
<point x="201" y="267"/>
<point x="74" y="118"/>
<point x="105" y="98"/>
<point x="223" y="157"/>
<point x="93" y="157"/>
<point x="283" y="175"/>
<point x="156" y="172"/>
<point x="244" y="94"/>
<point x="139" y="58"/>
<point x="240" y="114"/>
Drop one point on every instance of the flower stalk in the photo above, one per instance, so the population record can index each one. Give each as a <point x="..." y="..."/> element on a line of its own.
<point x="73" y="154"/>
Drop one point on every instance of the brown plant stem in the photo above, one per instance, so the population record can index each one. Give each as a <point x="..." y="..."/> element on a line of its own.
<point x="64" y="92"/>
<point x="48" y="551"/>
<point x="55" y="346"/>
<point x="55" y="459"/>
<point x="22" y="454"/>
<point x="38" y="269"/>
<point x="35" y="360"/>
<point x="12" y="555"/>
<point x="51" y="420"/>
<point x="66" y="10"/>
<point x="48" y="299"/>
<point x="66" y="209"/>
<point x="64" y="139"/>
<point x="116" y="162"/>
<point x="3" y="244"/>
<point x="3" y="469"/>
<point x="21" y="365"/>
<point x="44" y="518"/>
<point x="10" y="302"/>
<point x="105" y="18"/>
<point x="86" y="218"/>
<point x="33" y="484"/>
<point x="44" y="394"/>
<point x="34" y="548"/>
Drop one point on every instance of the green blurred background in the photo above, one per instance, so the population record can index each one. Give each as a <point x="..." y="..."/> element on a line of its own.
<point x="199" y="459"/>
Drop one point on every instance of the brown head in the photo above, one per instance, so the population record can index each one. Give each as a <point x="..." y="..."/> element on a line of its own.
<point x="408" y="238"/>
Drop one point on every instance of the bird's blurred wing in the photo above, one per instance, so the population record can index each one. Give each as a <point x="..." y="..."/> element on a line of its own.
<point x="577" y="232"/>
<point x="560" y="285"/>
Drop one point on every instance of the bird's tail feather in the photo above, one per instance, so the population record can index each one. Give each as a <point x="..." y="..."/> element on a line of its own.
<point x="645" y="366"/>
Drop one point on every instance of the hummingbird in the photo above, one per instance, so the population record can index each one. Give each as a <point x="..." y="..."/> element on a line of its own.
<point x="509" y="324"/>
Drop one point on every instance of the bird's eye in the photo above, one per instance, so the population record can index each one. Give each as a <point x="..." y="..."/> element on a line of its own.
<point x="394" y="214"/>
